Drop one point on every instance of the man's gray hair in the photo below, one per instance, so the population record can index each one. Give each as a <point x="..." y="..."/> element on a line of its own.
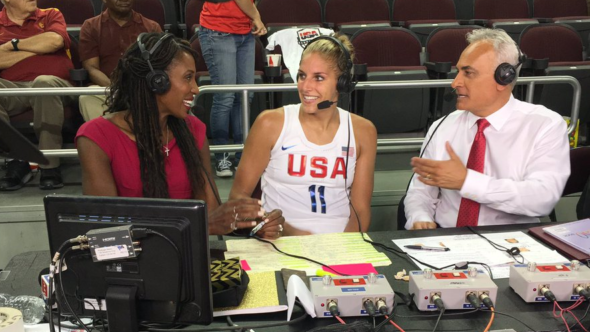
<point x="3" y="2"/>
<point x="505" y="48"/>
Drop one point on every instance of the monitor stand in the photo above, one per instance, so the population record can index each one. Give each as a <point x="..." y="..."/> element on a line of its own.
<point x="122" y="308"/>
<point x="14" y="145"/>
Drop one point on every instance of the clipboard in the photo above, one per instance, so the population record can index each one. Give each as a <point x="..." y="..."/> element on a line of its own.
<point x="558" y="245"/>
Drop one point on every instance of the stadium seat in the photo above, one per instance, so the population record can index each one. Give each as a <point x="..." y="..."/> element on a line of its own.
<point x="511" y="16"/>
<point x="562" y="47"/>
<point x="562" y="9"/>
<point x="464" y="9"/>
<point x="571" y="12"/>
<point x="392" y="54"/>
<point x="192" y="16"/>
<point x="579" y="174"/>
<point x="423" y="16"/>
<point x="288" y="12"/>
<point x="349" y="16"/>
<point x="284" y="14"/>
<point x="443" y="50"/>
<point x="75" y="12"/>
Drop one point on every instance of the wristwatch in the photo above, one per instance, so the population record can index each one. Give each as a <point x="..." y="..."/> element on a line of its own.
<point x="14" y="42"/>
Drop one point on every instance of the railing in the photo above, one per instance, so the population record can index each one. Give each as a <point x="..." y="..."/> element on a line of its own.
<point x="382" y="144"/>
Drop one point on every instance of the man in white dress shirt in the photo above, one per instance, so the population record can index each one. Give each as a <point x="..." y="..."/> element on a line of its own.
<point x="496" y="160"/>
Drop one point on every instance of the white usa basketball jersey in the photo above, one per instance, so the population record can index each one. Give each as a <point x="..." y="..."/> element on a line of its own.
<point x="306" y="181"/>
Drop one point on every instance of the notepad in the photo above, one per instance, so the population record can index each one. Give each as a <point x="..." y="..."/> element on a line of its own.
<point x="265" y="293"/>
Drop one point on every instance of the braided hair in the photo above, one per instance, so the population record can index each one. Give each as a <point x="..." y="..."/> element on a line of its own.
<point x="129" y="91"/>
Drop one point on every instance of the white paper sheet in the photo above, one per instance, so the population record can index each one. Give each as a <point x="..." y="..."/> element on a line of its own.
<point x="473" y="248"/>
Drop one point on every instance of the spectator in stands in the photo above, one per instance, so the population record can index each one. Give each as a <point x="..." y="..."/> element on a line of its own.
<point x="103" y="40"/>
<point x="227" y="41"/>
<point x="147" y="145"/>
<point x="34" y="53"/>
<point x="496" y="160"/>
<point x="315" y="160"/>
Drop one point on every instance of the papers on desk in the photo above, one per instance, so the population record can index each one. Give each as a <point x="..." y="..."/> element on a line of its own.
<point x="476" y="249"/>
<point x="330" y="249"/>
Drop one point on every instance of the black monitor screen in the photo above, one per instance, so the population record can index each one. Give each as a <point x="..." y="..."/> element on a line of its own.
<point x="149" y="282"/>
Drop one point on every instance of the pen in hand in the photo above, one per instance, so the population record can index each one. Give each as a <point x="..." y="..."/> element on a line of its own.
<point x="257" y="228"/>
<point x="427" y="248"/>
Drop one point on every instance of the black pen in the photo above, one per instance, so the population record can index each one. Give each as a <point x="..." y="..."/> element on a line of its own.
<point x="428" y="248"/>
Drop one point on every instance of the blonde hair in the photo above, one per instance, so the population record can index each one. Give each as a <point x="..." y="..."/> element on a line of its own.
<point x="331" y="51"/>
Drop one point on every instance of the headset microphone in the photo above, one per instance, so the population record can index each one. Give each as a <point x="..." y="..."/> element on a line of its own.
<point x="449" y="95"/>
<point x="325" y="104"/>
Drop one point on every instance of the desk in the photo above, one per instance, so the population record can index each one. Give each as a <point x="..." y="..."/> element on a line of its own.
<point x="537" y="315"/>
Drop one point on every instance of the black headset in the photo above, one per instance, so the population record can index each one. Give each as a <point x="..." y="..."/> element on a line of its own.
<point x="345" y="82"/>
<point x="507" y="73"/>
<point x="157" y="80"/>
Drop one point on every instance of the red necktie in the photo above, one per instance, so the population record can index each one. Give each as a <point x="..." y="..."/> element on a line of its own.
<point x="469" y="210"/>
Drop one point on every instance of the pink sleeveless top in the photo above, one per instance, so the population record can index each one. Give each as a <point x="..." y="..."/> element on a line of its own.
<point x="122" y="151"/>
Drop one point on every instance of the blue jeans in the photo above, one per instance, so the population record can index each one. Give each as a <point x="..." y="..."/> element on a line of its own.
<point x="230" y="60"/>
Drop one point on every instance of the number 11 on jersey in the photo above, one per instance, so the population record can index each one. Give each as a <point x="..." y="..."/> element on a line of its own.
<point x="314" y="198"/>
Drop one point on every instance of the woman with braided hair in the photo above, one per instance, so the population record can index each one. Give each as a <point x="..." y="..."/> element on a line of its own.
<point x="148" y="145"/>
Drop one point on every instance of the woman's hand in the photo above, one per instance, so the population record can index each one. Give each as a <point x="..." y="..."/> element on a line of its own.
<point x="273" y="225"/>
<point x="235" y="214"/>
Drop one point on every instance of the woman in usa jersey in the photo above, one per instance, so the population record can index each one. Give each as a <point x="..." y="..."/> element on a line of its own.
<point x="315" y="160"/>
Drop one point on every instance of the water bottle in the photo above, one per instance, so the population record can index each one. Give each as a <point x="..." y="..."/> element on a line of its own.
<point x="5" y="300"/>
<point x="32" y="308"/>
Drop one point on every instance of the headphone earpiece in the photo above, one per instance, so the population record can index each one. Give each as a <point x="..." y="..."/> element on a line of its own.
<point x="345" y="83"/>
<point x="506" y="73"/>
<point x="157" y="80"/>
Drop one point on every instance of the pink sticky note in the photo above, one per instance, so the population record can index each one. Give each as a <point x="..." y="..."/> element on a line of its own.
<point x="352" y="269"/>
<point x="245" y="265"/>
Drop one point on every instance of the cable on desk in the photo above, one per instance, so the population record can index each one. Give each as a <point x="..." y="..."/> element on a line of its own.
<point x="516" y="319"/>
<point x="514" y="252"/>
<point x="583" y="317"/>
<point x="52" y="270"/>
<point x="491" y="320"/>
<point x="61" y="285"/>
<point x="436" y="315"/>
<point x="299" y="257"/>
<point x="388" y="319"/>
<point x="568" y="310"/>
<point x="438" y="320"/>
<point x="394" y="324"/>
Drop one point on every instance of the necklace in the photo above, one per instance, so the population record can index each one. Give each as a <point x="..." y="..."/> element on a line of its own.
<point x="166" y="149"/>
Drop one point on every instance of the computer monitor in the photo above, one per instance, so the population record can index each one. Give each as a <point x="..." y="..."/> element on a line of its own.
<point x="140" y="289"/>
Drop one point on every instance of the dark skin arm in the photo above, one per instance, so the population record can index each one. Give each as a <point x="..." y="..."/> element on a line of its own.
<point x="221" y="217"/>
<point x="98" y="180"/>
<point x="254" y="160"/>
<point x="96" y="76"/>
